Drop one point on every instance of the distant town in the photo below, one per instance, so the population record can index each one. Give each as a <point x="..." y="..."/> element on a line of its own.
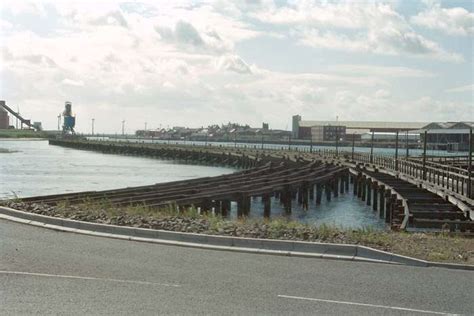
<point x="451" y="136"/>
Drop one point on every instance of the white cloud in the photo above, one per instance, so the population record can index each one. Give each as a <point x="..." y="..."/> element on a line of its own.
<point x="382" y="94"/>
<point x="71" y="82"/>
<point x="186" y="35"/>
<point x="466" y="88"/>
<point x="198" y="65"/>
<point x="453" y="21"/>
<point x="384" y="41"/>
<point x="373" y="28"/>
<point x="385" y="71"/>
<point x="233" y="63"/>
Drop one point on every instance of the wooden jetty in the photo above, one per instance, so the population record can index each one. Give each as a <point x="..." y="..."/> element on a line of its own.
<point x="408" y="193"/>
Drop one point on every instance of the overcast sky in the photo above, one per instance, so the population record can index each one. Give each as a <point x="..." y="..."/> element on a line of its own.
<point x="193" y="63"/>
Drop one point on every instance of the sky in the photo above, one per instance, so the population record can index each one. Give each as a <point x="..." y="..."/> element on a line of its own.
<point x="195" y="63"/>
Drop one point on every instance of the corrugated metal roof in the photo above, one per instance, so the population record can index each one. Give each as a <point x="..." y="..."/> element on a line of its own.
<point x="366" y="124"/>
<point x="445" y="131"/>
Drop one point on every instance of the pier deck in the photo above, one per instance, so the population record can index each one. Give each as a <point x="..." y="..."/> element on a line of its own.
<point x="288" y="176"/>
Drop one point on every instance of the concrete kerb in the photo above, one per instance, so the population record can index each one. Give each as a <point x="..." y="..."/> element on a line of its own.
<point x="223" y="243"/>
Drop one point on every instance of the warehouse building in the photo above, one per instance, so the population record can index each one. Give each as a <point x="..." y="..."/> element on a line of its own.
<point x="304" y="129"/>
<point x="451" y="136"/>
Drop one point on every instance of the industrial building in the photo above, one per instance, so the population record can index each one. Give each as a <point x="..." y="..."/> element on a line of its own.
<point x="390" y="137"/>
<point x="303" y="129"/>
<point x="452" y="136"/>
<point x="4" y="119"/>
<point x="326" y="133"/>
<point x="440" y="135"/>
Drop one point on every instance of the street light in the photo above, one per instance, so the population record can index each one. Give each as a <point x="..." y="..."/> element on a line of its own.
<point x="93" y="120"/>
<point x="123" y="127"/>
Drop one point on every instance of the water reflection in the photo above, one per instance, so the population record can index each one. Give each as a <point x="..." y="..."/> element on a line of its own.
<point x="35" y="168"/>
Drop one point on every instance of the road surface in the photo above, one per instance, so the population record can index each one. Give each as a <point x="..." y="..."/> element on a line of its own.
<point x="48" y="272"/>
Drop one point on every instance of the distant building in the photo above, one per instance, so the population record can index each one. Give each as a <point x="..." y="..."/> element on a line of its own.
<point x="325" y="133"/>
<point x="452" y="136"/>
<point x="37" y="126"/>
<point x="295" y="126"/>
<point x="303" y="129"/>
<point x="265" y="126"/>
<point x="391" y="137"/>
<point x="4" y="119"/>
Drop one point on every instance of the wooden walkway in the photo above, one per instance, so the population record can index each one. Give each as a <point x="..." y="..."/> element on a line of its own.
<point x="288" y="176"/>
<point x="407" y="206"/>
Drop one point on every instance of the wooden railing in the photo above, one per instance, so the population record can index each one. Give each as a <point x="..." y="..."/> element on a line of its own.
<point x="445" y="176"/>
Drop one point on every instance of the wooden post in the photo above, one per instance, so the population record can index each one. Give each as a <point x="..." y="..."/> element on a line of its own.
<point x="266" y="199"/>
<point x="247" y="205"/>
<point x="225" y="207"/>
<point x="287" y="198"/>
<point x="354" y="182"/>
<point x="363" y="184"/>
<point x="311" y="145"/>
<point x="346" y="181"/>
<point x="359" y="186"/>
<point x="375" y="187"/>
<point x="396" y="152"/>
<point x="335" y="186"/>
<point x="372" y="149"/>
<point x="341" y="184"/>
<point x="424" y="154"/>
<point x="469" y="167"/>
<point x="311" y="192"/>
<point x="369" y="192"/>
<point x="381" y="200"/>
<point x="300" y="195"/>
<point x="327" y="189"/>
<point x="243" y="205"/>
<point x="353" y="145"/>
<point x="305" y="196"/>
<point x="388" y="205"/>
<point x="319" y="193"/>
<point x="216" y="205"/>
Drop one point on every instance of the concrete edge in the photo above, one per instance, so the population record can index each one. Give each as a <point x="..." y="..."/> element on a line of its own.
<point x="347" y="252"/>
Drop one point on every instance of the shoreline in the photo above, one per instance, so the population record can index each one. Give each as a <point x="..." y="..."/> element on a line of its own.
<point x="440" y="247"/>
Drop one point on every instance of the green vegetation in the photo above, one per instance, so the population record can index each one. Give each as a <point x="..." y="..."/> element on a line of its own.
<point x="443" y="247"/>
<point x="15" y="133"/>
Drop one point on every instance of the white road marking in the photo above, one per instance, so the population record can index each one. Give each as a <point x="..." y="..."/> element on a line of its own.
<point x="366" y="305"/>
<point x="86" y="278"/>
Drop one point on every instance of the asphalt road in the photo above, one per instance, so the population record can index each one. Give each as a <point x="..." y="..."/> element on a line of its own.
<point x="48" y="272"/>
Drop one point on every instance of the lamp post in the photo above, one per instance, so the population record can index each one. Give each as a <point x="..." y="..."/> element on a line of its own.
<point x="93" y="120"/>
<point x="469" y="166"/>
<point x="424" y="154"/>
<point x="406" y="144"/>
<point x="396" y="152"/>
<point x="123" y="127"/>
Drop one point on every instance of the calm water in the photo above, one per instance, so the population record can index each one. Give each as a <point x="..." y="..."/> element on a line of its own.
<point x="33" y="167"/>
<point x="37" y="168"/>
